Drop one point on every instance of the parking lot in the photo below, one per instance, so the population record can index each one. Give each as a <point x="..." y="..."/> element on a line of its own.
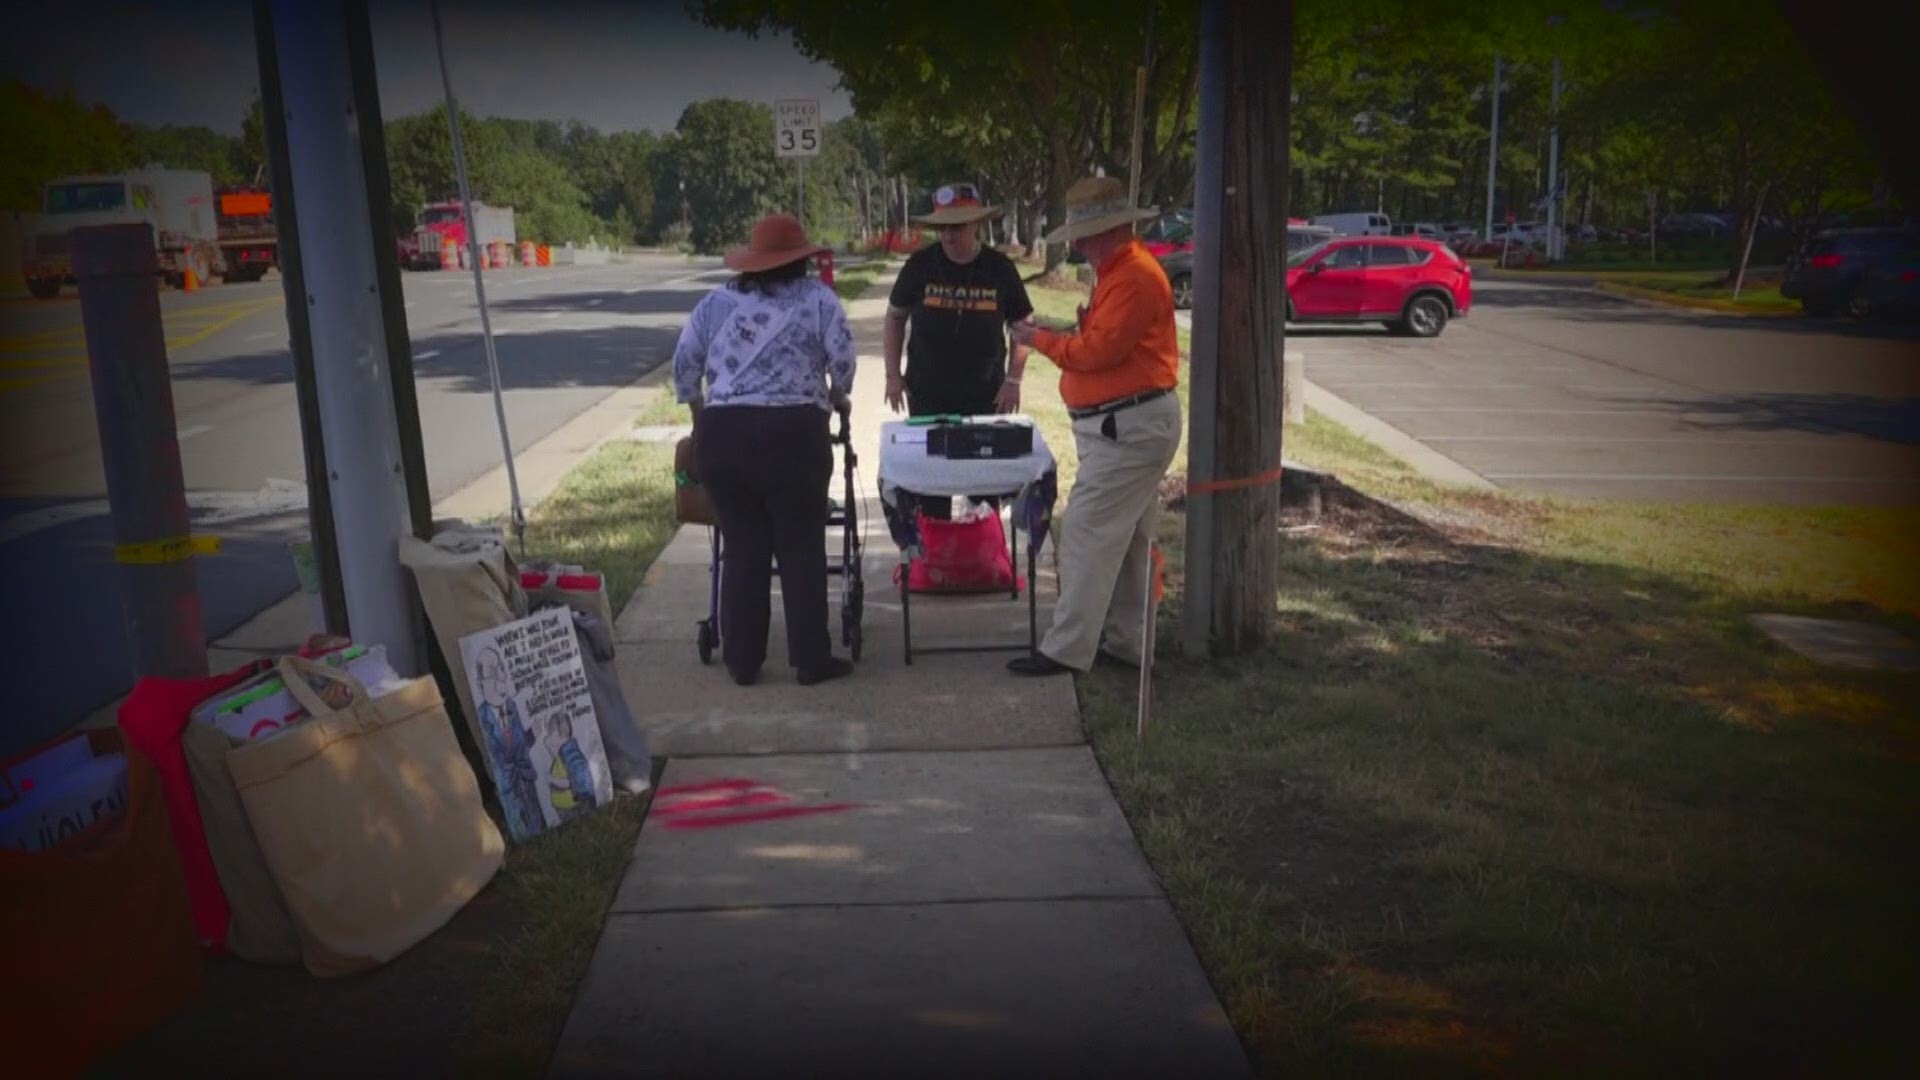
<point x="1567" y="392"/>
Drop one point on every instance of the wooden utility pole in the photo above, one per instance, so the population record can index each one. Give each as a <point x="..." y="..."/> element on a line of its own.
<point x="1240" y="211"/>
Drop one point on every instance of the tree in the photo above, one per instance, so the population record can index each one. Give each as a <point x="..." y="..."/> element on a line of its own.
<point x="723" y="151"/>
<point x="176" y="147"/>
<point x="250" y="154"/>
<point x="48" y="136"/>
<point x="1059" y="89"/>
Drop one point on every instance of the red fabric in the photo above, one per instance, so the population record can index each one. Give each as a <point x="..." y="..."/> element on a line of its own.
<point x="96" y="934"/>
<point x="153" y="718"/>
<point x="962" y="557"/>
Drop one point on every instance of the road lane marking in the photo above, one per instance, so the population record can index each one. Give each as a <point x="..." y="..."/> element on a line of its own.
<point x="595" y="302"/>
<point x="45" y="361"/>
<point x="195" y="430"/>
<point x="7" y="385"/>
<point x="267" y="335"/>
<point x="426" y="354"/>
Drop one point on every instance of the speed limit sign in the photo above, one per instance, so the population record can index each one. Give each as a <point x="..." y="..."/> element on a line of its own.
<point x="796" y="127"/>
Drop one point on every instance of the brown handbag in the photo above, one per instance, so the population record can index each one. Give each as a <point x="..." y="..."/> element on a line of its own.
<point x="369" y="819"/>
<point x="691" y="503"/>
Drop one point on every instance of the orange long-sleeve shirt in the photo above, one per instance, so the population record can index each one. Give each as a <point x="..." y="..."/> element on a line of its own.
<point x="1127" y="344"/>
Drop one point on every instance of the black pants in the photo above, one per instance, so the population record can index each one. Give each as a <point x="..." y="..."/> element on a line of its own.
<point x="942" y="401"/>
<point x="767" y="470"/>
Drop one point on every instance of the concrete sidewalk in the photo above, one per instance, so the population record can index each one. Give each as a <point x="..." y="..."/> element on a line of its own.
<point x="916" y="871"/>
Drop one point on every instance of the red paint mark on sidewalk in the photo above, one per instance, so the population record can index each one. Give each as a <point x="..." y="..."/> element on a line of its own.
<point x="722" y="802"/>
<point x="713" y="804"/>
<point x="716" y="821"/>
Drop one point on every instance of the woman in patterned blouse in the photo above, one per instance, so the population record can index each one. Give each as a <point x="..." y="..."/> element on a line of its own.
<point x="763" y="361"/>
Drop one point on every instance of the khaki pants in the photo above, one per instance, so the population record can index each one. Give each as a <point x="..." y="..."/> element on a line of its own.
<point x="1104" y="540"/>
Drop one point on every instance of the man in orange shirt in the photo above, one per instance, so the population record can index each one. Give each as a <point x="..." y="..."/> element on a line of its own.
<point x="1118" y="375"/>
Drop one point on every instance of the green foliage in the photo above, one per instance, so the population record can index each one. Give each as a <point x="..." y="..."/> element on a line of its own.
<point x="722" y="150"/>
<point x="176" y="147"/>
<point x="49" y="136"/>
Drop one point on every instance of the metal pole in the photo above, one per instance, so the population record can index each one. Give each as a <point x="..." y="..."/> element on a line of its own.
<point x="1139" y="112"/>
<point x="393" y="308"/>
<point x="479" y="285"/>
<point x="118" y="274"/>
<point x="800" y="188"/>
<point x="1203" y="393"/>
<point x="1493" y="145"/>
<point x="286" y="225"/>
<point x="1553" y="172"/>
<point x="1741" y="278"/>
<point x="365" y="464"/>
<point x="1653" y="229"/>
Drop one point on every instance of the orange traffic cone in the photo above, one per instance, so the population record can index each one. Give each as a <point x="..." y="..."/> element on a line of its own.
<point x="189" y="282"/>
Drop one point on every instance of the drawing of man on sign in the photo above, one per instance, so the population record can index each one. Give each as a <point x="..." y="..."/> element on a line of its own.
<point x="509" y="746"/>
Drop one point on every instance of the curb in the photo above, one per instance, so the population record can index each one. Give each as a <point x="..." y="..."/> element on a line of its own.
<point x="1425" y="460"/>
<point x="1667" y="300"/>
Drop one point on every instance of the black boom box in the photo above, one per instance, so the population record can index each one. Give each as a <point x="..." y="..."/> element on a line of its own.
<point x="980" y="439"/>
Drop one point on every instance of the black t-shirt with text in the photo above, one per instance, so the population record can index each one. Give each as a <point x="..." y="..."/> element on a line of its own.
<point x="957" y="331"/>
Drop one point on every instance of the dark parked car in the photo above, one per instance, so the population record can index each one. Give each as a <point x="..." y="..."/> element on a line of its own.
<point x="1893" y="287"/>
<point x="1179" y="264"/>
<point x="1826" y="275"/>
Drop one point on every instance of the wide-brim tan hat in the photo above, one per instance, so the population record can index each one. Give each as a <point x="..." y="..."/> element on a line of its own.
<point x="1094" y="205"/>
<point x="776" y="240"/>
<point x="957" y="204"/>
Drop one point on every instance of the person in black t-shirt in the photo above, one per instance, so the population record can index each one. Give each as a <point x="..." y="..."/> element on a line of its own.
<point x="950" y="308"/>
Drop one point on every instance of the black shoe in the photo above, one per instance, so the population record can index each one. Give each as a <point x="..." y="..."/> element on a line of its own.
<point x="1037" y="665"/>
<point x="835" y="668"/>
<point x="747" y="678"/>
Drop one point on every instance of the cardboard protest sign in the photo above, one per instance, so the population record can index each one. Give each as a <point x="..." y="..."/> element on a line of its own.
<point x="535" y="713"/>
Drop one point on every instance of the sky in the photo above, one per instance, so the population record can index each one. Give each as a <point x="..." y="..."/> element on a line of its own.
<point x="616" y="66"/>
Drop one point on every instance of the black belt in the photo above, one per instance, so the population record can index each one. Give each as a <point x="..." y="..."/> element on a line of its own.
<point x="1107" y="407"/>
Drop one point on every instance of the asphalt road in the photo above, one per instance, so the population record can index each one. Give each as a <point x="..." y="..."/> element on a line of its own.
<point x="1566" y="392"/>
<point x="566" y="337"/>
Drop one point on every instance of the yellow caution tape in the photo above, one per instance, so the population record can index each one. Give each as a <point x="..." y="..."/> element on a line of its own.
<point x="172" y="550"/>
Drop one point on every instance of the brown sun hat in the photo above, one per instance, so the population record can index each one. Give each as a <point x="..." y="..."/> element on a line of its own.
<point x="776" y="240"/>
<point x="1094" y="205"/>
<point x="957" y="204"/>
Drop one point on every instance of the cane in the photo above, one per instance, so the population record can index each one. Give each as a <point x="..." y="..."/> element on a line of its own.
<point x="1147" y="625"/>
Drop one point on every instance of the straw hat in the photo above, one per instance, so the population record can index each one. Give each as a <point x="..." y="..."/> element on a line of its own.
<point x="957" y="204"/>
<point x="776" y="240"/>
<point x="1094" y="205"/>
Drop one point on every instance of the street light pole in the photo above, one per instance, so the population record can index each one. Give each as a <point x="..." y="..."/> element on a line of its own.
<point x="1493" y="144"/>
<point x="1553" y="173"/>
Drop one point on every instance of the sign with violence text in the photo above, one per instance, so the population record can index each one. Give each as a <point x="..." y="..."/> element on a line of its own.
<point x="542" y="740"/>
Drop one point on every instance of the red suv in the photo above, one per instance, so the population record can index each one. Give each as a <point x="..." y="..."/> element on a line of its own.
<point x="1412" y="285"/>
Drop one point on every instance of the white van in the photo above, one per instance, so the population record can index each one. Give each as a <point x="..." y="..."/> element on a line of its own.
<point x="1357" y="224"/>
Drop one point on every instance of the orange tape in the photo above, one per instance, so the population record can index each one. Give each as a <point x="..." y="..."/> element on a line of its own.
<point x="1208" y="487"/>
